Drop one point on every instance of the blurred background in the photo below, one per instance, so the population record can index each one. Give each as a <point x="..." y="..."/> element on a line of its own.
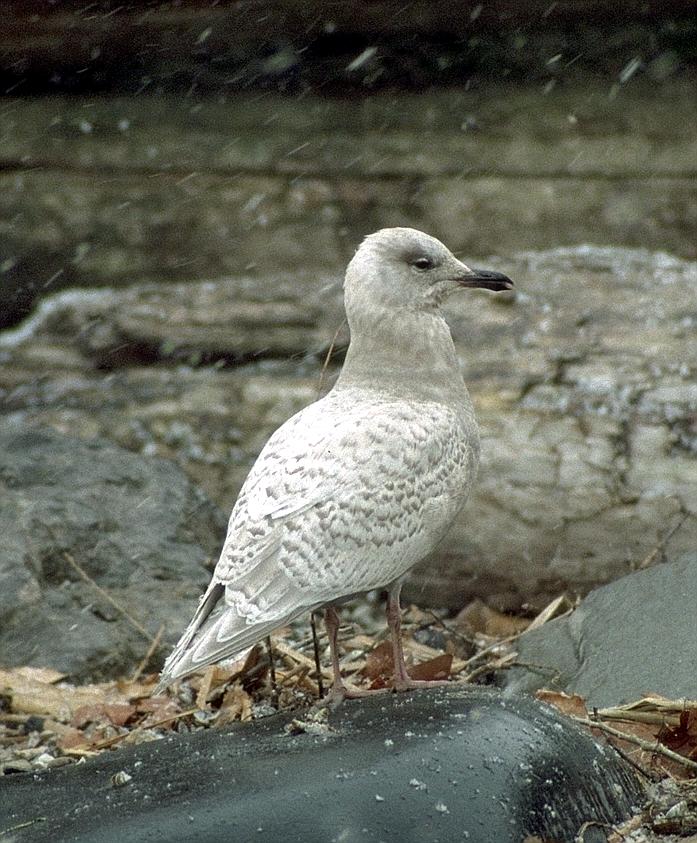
<point x="182" y="185"/>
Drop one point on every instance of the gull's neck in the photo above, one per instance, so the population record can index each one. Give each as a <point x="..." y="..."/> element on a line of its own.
<point x="403" y="352"/>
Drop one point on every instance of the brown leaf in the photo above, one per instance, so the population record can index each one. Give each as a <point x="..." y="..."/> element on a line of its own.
<point x="478" y="617"/>
<point x="681" y="738"/>
<point x="236" y="705"/>
<point x="117" y="714"/>
<point x="571" y="704"/>
<point x="379" y="663"/>
<point x="433" y="669"/>
<point x="70" y="739"/>
<point x="157" y="710"/>
<point x="644" y="757"/>
<point x="156" y="705"/>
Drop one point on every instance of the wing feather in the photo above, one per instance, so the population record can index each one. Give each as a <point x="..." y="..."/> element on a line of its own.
<point x="334" y="505"/>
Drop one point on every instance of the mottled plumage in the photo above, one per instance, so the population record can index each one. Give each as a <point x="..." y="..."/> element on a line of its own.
<point x="355" y="489"/>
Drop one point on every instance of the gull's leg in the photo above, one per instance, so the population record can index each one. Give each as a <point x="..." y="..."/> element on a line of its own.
<point x="402" y="680"/>
<point x="340" y="690"/>
<point x="331" y="622"/>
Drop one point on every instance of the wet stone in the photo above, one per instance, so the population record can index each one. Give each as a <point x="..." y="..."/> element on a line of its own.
<point x="427" y="765"/>
<point x="79" y="516"/>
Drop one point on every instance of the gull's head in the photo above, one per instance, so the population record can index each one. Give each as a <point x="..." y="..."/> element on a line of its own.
<point x="405" y="268"/>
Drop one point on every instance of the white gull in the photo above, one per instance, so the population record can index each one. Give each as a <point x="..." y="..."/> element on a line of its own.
<point x="354" y="490"/>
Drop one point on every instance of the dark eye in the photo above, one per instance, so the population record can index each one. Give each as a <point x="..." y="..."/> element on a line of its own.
<point x="423" y="263"/>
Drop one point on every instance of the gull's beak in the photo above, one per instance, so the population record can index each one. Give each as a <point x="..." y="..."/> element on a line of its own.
<point x="485" y="278"/>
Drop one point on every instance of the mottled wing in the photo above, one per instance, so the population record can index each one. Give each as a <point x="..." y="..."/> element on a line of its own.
<point x="346" y="496"/>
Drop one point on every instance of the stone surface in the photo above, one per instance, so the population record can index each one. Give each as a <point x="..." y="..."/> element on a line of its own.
<point x="626" y="640"/>
<point x="109" y="191"/>
<point x="583" y="383"/>
<point x="136" y="526"/>
<point x="441" y="764"/>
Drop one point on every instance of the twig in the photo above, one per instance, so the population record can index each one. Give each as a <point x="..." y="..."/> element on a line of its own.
<point x="328" y="357"/>
<point x="298" y="672"/>
<point x="155" y="643"/>
<point x="496" y="664"/>
<point x="272" y="670"/>
<point x="5" y="831"/>
<point x="456" y="633"/>
<point x="632" y="824"/>
<point x="550" y="611"/>
<point x="315" y="647"/>
<point x="119" y="608"/>
<point x="486" y="651"/>
<point x="296" y="657"/>
<point x="581" y="835"/>
<point x="205" y="686"/>
<point x="655" y="747"/>
<point x="118" y="738"/>
<point x="651" y="717"/>
<point x="651" y="557"/>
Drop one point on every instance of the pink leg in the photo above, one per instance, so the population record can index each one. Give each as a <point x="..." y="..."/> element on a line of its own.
<point x="402" y="680"/>
<point x="340" y="690"/>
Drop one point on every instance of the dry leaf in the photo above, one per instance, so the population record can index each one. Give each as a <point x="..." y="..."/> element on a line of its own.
<point x="571" y="704"/>
<point x="32" y="696"/>
<point x="478" y="617"/>
<point x="414" y="615"/>
<point x="157" y="710"/>
<point x="433" y="669"/>
<point x="643" y="757"/>
<point x="655" y="702"/>
<point x="39" y="674"/>
<point x="681" y="738"/>
<point x="205" y="687"/>
<point x="116" y="714"/>
<point x="379" y="662"/>
<point x="71" y="739"/>
<point x="236" y="705"/>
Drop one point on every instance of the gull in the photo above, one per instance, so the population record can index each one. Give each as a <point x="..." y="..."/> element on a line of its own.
<point x="355" y="489"/>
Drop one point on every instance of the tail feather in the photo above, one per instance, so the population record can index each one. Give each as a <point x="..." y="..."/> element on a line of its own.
<point x="218" y="632"/>
<point x="232" y="617"/>
<point x="205" y="652"/>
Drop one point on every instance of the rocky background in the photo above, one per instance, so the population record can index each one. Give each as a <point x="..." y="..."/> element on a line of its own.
<point x="180" y="189"/>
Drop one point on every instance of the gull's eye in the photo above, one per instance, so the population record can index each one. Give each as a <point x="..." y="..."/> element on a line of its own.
<point x="423" y="264"/>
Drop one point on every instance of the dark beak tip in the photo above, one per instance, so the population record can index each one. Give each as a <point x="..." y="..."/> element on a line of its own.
<point x="487" y="279"/>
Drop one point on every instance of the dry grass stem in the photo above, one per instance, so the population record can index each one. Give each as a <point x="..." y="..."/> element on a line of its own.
<point x="118" y="738"/>
<point x="328" y="357"/>
<point x="20" y="826"/>
<point x="651" y="557"/>
<point x="296" y="657"/>
<point x="205" y="686"/>
<point x="653" y="747"/>
<point x="154" y="644"/>
<point x="651" y="717"/>
<point x="491" y="648"/>
<point x="106" y="596"/>
<point x="559" y="607"/>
